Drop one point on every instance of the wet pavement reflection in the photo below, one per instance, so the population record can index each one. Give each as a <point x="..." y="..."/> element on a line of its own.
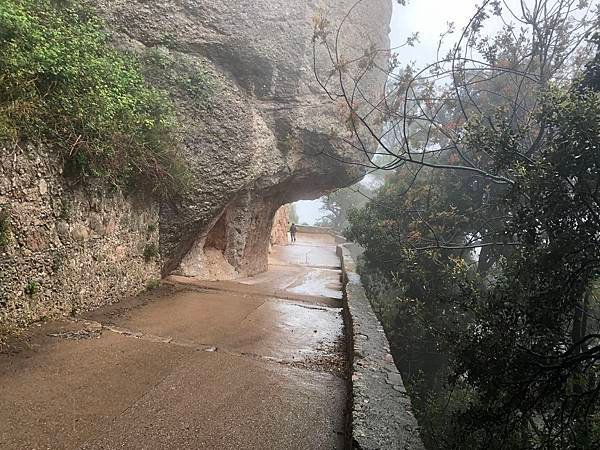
<point x="252" y="363"/>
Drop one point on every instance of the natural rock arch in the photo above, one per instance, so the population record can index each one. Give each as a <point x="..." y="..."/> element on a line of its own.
<point x="262" y="142"/>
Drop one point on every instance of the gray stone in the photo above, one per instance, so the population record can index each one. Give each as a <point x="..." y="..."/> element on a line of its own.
<point x="261" y="143"/>
<point x="265" y="139"/>
<point x="394" y="379"/>
<point x="71" y="277"/>
<point x="80" y="233"/>
<point x="43" y="187"/>
<point x="96" y="224"/>
<point x="63" y="230"/>
<point x="400" y="388"/>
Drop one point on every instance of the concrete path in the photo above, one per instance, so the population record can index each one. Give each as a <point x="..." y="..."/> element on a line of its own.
<point x="252" y="364"/>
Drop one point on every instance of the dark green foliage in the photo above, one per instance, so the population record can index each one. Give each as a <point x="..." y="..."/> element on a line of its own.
<point x="152" y="284"/>
<point x="500" y="352"/>
<point x="410" y="288"/>
<point x="150" y="252"/>
<point x="63" y="84"/>
<point x="4" y="226"/>
<point x="529" y="359"/>
<point x="32" y="288"/>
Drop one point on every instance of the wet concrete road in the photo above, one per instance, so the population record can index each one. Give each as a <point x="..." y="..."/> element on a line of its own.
<point x="255" y="363"/>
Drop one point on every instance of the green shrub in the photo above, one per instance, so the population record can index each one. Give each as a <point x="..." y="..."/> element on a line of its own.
<point x="150" y="252"/>
<point x="4" y="226"/>
<point x="165" y="69"/>
<point x="152" y="284"/>
<point x="62" y="83"/>
<point x="32" y="288"/>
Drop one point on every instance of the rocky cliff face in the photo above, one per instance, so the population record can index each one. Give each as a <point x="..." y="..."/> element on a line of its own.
<point x="263" y="138"/>
<point x="281" y="225"/>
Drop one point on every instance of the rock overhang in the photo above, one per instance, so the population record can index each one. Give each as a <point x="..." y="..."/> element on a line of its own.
<point x="267" y="138"/>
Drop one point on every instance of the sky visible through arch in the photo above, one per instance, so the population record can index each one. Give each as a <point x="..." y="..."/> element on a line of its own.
<point x="429" y="18"/>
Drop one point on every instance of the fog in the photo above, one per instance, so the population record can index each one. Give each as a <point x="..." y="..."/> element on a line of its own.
<point x="428" y="18"/>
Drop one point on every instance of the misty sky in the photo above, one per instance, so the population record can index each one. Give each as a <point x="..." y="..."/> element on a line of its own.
<point x="429" y="18"/>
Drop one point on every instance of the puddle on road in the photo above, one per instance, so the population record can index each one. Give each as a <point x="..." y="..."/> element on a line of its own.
<point x="321" y="282"/>
<point x="275" y="278"/>
<point x="306" y="255"/>
<point x="288" y="331"/>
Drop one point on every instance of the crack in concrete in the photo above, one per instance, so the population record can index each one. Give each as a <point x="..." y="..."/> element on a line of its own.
<point x="274" y="295"/>
<point x="129" y="407"/>
<point x="315" y="308"/>
<point x="253" y="311"/>
<point x="299" y="364"/>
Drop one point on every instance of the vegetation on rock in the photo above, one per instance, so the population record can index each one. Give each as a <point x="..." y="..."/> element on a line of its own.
<point x="32" y="288"/>
<point x="4" y="226"/>
<point x="169" y="71"/>
<point x="63" y="84"/>
<point x="150" y="252"/>
<point x="152" y="284"/>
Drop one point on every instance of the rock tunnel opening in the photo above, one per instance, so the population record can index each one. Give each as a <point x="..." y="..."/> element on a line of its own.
<point x="238" y="242"/>
<point x="217" y="236"/>
<point x="212" y="261"/>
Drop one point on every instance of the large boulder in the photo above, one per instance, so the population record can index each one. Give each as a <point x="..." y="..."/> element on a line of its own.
<point x="256" y="126"/>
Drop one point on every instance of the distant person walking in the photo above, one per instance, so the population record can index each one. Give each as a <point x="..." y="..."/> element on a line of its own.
<point x="293" y="230"/>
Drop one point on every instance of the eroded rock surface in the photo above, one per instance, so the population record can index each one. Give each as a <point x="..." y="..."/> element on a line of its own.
<point x="258" y="136"/>
<point x="281" y="225"/>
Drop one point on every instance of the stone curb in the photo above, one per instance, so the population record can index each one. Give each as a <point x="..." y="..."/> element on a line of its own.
<point x="381" y="416"/>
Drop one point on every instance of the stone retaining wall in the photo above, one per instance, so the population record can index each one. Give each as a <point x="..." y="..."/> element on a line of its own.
<point x="65" y="248"/>
<point x="310" y="229"/>
<point x="380" y="412"/>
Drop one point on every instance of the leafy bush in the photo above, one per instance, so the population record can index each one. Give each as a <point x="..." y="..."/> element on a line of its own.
<point x="150" y="252"/>
<point x="32" y="288"/>
<point x="167" y="70"/>
<point x="152" y="284"/>
<point x="507" y="342"/>
<point x="63" y="84"/>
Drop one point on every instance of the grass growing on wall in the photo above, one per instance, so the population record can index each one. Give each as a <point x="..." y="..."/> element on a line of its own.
<point x="4" y="226"/>
<point x="62" y="83"/>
